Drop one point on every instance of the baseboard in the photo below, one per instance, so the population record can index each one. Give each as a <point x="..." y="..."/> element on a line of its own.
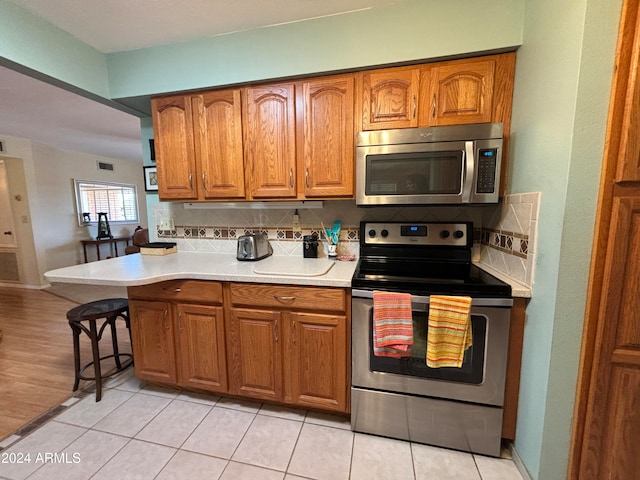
<point x="519" y="465"/>
<point x="21" y="285"/>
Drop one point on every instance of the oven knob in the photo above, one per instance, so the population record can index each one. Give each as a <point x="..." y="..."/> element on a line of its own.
<point x="384" y="233"/>
<point x="444" y="234"/>
<point x="372" y="233"/>
<point x="458" y="234"/>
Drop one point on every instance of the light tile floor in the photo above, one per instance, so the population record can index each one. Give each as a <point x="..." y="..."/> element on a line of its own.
<point x="145" y="432"/>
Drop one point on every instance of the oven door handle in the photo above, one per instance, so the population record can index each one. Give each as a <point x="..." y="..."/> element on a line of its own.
<point x="420" y="302"/>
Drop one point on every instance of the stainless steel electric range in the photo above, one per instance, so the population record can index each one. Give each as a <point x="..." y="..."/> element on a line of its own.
<point x="459" y="408"/>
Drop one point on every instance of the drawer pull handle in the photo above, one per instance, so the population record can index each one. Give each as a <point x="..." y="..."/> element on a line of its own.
<point x="284" y="299"/>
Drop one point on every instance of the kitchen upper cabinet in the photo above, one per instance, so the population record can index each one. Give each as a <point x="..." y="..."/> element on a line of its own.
<point x="270" y="150"/>
<point x="198" y="141"/>
<point x="457" y="93"/>
<point x="218" y="140"/>
<point x="174" y="146"/>
<point x="326" y="146"/>
<point x="390" y="98"/>
<point x="152" y="341"/>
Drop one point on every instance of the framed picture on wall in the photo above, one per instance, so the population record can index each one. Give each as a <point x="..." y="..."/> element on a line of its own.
<point x="150" y="179"/>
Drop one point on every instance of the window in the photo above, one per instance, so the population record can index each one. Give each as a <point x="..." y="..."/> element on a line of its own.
<point x="118" y="200"/>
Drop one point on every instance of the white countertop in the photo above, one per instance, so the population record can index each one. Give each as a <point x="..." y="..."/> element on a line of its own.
<point x="518" y="290"/>
<point x="137" y="269"/>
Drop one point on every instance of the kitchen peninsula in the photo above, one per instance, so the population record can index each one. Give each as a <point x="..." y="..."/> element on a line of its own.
<point x="275" y="330"/>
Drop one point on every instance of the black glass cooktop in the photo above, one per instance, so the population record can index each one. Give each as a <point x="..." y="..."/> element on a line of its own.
<point x="422" y="279"/>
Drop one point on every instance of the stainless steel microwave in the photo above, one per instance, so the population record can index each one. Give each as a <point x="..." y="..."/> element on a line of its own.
<point x="436" y="165"/>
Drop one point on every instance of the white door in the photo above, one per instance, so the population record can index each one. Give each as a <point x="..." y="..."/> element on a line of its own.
<point x="7" y="224"/>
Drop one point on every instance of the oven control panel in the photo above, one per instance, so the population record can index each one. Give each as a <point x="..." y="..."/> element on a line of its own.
<point x="417" y="233"/>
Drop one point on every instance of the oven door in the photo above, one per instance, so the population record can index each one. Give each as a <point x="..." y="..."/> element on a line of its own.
<point x="481" y="378"/>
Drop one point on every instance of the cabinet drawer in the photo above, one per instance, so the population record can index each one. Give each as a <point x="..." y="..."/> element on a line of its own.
<point x="180" y="290"/>
<point x="285" y="297"/>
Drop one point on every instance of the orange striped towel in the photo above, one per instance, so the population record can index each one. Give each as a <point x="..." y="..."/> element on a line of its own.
<point x="392" y="324"/>
<point x="449" y="332"/>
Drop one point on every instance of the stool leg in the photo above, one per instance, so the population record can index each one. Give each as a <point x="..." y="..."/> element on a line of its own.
<point x="76" y="355"/>
<point x="96" y="359"/>
<point x="114" y="340"/>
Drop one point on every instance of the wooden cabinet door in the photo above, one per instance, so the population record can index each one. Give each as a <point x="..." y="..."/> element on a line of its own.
<point x="218" y="134"/>
<point x="326" y="151"/>
<point x="390" y="98"/>
<point x="253" y="342"/>
<point x="174" y="147"/>
<point x="317" y="359"/>
<point x="269" y="120"/>
<point x="152" y="338"/>
<point x="459" y="93"/>
<point x="201" y="349"/>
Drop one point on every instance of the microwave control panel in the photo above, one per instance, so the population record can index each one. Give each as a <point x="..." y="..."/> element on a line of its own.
<point x="487" y="159"/>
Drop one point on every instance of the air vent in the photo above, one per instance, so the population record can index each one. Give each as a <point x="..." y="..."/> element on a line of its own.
<point x="105" y="166"/>
<point x="9" y="267"/>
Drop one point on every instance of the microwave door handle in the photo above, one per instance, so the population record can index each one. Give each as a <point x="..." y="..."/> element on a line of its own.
<point x="468" y="168"/>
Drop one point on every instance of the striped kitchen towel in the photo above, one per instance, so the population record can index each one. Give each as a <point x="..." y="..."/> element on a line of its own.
<point x="449" y="333"/>
<point x="392" y="324"/>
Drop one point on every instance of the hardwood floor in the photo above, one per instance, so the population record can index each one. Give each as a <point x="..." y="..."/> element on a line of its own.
<point x="36" y="355"/>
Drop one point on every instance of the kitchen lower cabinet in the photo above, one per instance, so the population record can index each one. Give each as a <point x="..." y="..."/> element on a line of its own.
<point x="152" y="341"/>
<point x="200" y="349"/>
<point x="316" y="359"/>
<point x="255" y="353"/>
<point x="283" y="347"/>
<point x="277" y="343"/>
<point x="177" y="338"/>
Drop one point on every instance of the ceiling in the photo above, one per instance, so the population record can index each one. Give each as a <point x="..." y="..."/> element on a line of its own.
<point x="49" y="115"/>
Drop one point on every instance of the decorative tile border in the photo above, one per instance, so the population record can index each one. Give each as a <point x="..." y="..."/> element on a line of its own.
<point x="232" y="233"/>
<point x="512" y="243"/>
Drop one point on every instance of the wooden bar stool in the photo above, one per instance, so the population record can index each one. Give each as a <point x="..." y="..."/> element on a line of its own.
<point x="109" y="309"/>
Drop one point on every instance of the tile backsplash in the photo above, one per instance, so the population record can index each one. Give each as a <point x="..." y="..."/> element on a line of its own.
<point x="508" y="238"/>
<point x="217" y="229"/>
<point x="504" y="234"/>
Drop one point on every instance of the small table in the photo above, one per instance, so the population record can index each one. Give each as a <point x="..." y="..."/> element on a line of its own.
<point x="98" y="242"/>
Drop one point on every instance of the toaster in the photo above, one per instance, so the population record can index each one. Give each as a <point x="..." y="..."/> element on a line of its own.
<point x="253" y="247"/>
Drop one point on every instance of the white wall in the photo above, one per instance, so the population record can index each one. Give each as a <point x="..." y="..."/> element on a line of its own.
<point x="57" y="217"/>
<point x="43" y="176"/>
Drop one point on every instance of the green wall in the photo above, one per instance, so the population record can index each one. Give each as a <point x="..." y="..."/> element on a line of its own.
<point x="563" y="79"/>
<point x="407" y="31"/>
<point x="28" y="43"/>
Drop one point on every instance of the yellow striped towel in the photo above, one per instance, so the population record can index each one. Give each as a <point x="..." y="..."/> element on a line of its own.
<point x="449" y="332"/>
